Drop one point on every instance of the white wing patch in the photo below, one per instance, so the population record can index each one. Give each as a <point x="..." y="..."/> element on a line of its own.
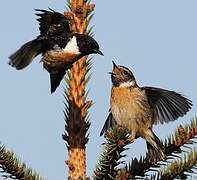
<point x="71" y="46"/>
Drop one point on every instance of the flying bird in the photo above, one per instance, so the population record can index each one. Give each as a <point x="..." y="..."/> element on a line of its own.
<point x="59" y="46"/>
<point x="139" y="108"/>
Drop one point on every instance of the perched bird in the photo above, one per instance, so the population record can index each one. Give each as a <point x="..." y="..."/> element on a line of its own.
<point x="58" y="45"/>
<point x="137" y="109"/>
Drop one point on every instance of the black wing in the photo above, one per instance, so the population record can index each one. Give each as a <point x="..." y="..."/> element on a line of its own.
<point x="167" y="105"/>
<point x="55" y="79"/>
<point x="52" y="22"/>
<point x="109" y="123"/>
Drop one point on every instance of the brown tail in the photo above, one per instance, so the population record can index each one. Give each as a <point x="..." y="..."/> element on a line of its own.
<point x="154" y="146"/>
<point x="24" y="56"/>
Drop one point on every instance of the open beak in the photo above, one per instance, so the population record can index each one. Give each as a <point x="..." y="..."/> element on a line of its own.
<point x="111" y="73"/>
<point x="114" y="65"/>
<point x="98" y="52"/>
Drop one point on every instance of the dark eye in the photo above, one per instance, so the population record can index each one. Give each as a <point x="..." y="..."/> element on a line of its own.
<point x="125" y="73"/>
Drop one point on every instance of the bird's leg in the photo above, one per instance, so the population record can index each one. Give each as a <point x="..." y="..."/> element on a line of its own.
<point x="154" y="146"/>
<point x="132" y="137"/>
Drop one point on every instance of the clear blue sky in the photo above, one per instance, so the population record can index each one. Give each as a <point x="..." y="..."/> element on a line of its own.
<point x="157" y="40"/>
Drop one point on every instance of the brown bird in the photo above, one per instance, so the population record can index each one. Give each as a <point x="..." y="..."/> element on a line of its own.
<point x="139" y="108"/>
<point x="59" y="46"/>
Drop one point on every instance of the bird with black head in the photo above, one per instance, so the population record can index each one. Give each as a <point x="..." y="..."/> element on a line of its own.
<point x="59" y="46"/>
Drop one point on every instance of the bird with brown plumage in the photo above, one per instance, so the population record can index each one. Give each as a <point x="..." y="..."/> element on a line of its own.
<point x="137" y="109"/>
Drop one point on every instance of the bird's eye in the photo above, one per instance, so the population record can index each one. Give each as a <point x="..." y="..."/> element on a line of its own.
<point x="125" y="73"/>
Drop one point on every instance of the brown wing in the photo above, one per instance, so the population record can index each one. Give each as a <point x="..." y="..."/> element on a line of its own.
<point x="167" y="105"/>
<point x="109" y="123"/>
<point x="52" y="22"/>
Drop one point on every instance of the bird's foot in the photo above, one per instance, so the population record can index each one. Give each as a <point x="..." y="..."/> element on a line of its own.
<point x="121" y="143"/>
<point x="131" y="138"/>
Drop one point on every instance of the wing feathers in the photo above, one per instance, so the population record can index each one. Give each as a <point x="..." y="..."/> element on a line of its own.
<point x="109" y="123"/>
<point x="55" y="79"/>
<point x="167" y="105"/>
<point x="52" y="21"/>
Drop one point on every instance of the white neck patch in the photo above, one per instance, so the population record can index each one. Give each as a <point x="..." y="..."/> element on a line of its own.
<point x="127" y="84"/>
<point x="71" y="46"/>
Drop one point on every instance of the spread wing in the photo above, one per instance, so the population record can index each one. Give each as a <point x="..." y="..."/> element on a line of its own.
<point x="52" y="22"/>
<point x="109" y="123"/>
<point x="167" y="105"/>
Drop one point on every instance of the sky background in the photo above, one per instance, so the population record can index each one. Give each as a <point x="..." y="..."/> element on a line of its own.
<point x="157" y="40"/>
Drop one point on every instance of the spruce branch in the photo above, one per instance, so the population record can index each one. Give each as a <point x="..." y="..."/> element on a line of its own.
<point x="76" y="107"/>
<point x="183" y="135"/>
<point x="111" y="157"/>
<point x="13" y="168"/>
<point x="181" y="168"/>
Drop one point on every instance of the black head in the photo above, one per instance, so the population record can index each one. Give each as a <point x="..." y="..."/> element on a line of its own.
<point x="122" y="77"/>
<point x="87" y="45"/>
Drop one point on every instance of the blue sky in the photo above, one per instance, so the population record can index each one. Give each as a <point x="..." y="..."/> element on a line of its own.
<point x="157" y="40"/>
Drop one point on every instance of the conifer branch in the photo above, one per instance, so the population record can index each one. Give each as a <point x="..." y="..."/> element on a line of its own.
<point x="184" y="135"/>
<point x="181" y="168"/>
<point x="13" y="168"/>
<point x="76" y="106"/>
<point x="115" y="145"/>
<point x="138" y="168"/>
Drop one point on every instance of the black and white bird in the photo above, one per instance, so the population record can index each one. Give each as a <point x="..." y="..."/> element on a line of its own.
<point x="139" y="108"/>
<point x="59" y="46"/>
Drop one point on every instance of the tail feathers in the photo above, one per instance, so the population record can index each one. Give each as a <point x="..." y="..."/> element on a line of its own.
<point x="55" y="79"/>
<point x="24" y="56"/>
<point x="109" y="123"/>
<point x="155" y="149"/>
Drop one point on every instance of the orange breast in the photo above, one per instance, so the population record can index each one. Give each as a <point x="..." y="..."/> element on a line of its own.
<point x="129" y="106"/>
<point x="54" y="60"/>
<point x="59" y="56"/>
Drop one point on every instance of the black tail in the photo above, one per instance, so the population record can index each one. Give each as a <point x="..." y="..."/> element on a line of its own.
<point x="56" y="79"/>
<point x="24" y="56"/>
<point x="154" y="146"/>
<point x="109" y="123"/>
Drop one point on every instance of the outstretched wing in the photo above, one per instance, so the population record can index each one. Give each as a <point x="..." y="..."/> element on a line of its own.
<point x="52" y="22"/>
<point x="166" y="105"/>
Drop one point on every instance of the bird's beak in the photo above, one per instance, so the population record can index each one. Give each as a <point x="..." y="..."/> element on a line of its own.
<point x="98" y="52"/>
<point x="111" y="73"/>
<point x="114" y="65"/>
